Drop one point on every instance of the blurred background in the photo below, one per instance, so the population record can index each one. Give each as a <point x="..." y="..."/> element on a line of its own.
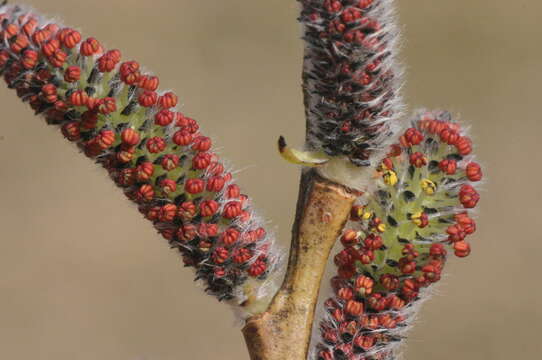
<point x="83" y="276"/>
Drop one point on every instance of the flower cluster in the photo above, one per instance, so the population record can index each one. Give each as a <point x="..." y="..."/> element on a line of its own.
<point x="351" y="81"/>
<point x="115" y="114"/>
<point x="396" y="242"/>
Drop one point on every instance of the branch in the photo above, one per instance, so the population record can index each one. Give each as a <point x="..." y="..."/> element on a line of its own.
<point x="284" y="330"/>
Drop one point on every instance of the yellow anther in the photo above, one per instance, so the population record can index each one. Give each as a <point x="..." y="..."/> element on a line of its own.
<point x="367" y="215"/>
<point x="417" y="218"/>
<point x="428" y="186"/>
<point x="381" y="228"/>
<point x="390" y="177"/>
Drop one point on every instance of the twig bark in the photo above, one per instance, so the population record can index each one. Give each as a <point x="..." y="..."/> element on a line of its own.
<point x="284" y="330"/>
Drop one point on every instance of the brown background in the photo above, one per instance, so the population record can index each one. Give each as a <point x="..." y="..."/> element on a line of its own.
<point x="83" y="277"/>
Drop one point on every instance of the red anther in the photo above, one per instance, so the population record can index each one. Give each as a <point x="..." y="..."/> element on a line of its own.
<point x="10" y="30"/>
<point x="437" y="250"/>
<point x="230" y="236"/>
<point x="201" y="161"/>
<point x="233" y="191"/>
<point x="418" y="160"/>
<point x="168" y="186"/>
<point x="182" y="138"/>
<point x="363" y="4"/>
<point x="449" y="136"/>
<point x="344" y="258"/>
<point x="129" y="72"/>
<point x="330" y="336"/>
<point x="105" y="139"/>
<point x="71" y="131"/>
<point x="387" y="321"/>
<point x="29" y="60"/>
<point x="467" y="224"/>
<point x="257" y="268"/>
<point x="192" y="125"/>
<point x="49" y="93"/>
<point x="474" y="171"/>
<point x="71" y="39"/>
<point x="406" y="265"/>
<point x="107" y="105"/>
<point x="219" y="272"/>
<point x="464" y="146"/>
<point x="126" y="177"/>
<point x="78" y="98"/>
<point x="167" y="213"/>
<point x="410" y="251"/>
<point x="187" y="210"/>
<point x="187" y="232"/>
<point x="30" y="26"/>
<point x="353" y="308"/>
<point x="130" y="137"/>
<point x="170" y="162"/>
<point x="432" y="271"/>
<point x="395" y="302"/>
<point x="389" y="281"/>
<point x="43" y="75"/>
<point x="168" y="100"/>
<point x="152" y="213"/>
<point x="4" y="57"/>
<point x="201" y="143"/>
<point x="145" y="193"/>
<point x="325" y="354"/>
<point x="364" y="284"/>
<point x="149" y="83"/>
<point x="461" y="249"/>
<point x="388" y="163"/>
<point x="92" y="103"/>
<point x="207" y="230"/>
<point x="107" y="63"/>
<point x="58" y="58"/>
<point x="350" y="15"/>
<point x="395" y="150"/>
<point x="346" y="271"/>
<point x="373" y="242"/>
<point x="455" y="233"/>
<point x="115" y="55"/>
<point x="125" y="154"/>
<point x="61" y="106"/>
<point x="345" y="293"/>
<point x="215" y="184"/>
<point x="208" y="208"/>
<point x="448" y="166"/>
<point x="148" y="98"/>
<point x="90" y="47"/>
<point x="52" y="28"/>
<point x="468" y="196"/>
<point x="89" y="119"/>
<point x="194" y="186"/>
<point x="412" y="137"/>
<point x="40" y="36"/>
<point x="21" y="42"/>
<point x="349" y="237"/>
<point x="72" y="74"/>
<point x="49" y="47"/>
<point x="365" y="342"/>
<point x="366" y="256"/>
<point x="163" y="117"/>
<point x="232" y="210"/>
<point x="156" y="144"/>
<point x="241" y="256"/>
<point x="144" y="171"/>
<point x="410" y="289"/>
<point x="333" y="6"/>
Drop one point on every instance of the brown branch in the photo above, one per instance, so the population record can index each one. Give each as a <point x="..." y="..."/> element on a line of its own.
<point x="284" y="330"/>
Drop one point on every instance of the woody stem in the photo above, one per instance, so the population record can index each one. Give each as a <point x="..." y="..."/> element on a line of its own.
<point x="283" y="331"/>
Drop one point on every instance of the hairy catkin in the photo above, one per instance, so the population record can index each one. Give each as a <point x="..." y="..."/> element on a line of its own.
<point x="158" y="156"/>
